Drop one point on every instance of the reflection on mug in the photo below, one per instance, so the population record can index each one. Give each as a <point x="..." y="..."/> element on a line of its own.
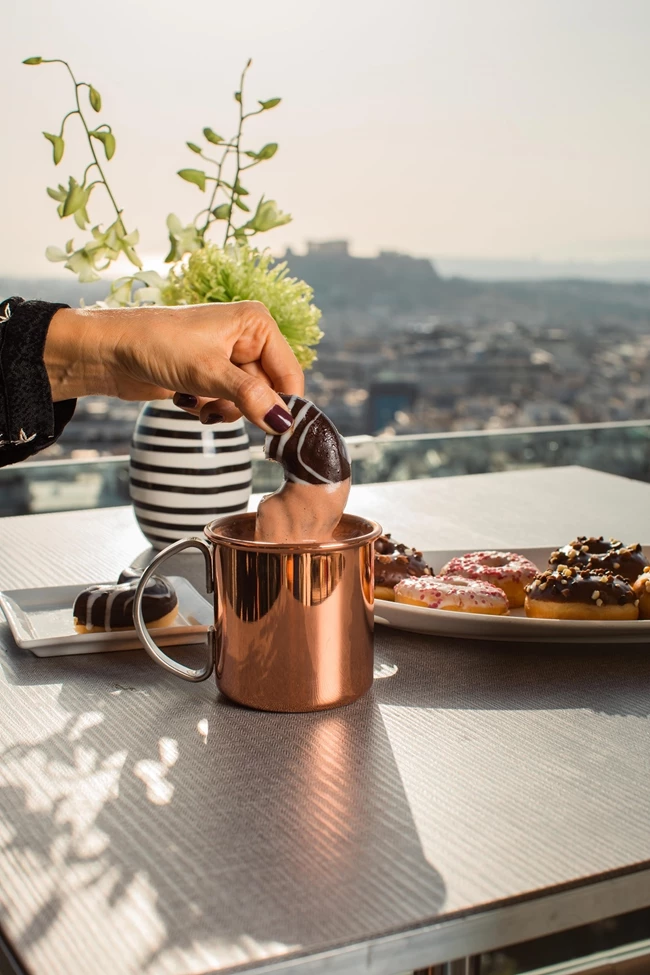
<point x="251" y="582"/>
<point x="312" y="578"/>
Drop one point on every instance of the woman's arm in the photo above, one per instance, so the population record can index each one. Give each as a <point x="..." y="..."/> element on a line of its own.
<point x="219" y="361"/>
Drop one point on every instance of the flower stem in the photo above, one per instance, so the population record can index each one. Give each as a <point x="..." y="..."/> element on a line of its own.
<point x="96" y="162"/>
<point x="237" y="153"/>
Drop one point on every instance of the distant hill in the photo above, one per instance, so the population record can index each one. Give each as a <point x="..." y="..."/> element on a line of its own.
<point x="484" y="269"/>
<point x="397" y="284"/>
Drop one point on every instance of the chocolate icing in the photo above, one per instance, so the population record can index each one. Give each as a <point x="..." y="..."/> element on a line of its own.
<point x="111" y="606"/>
<point x="602" y="556"/>
<point x="394" y="562"/>
<point x="573" y="585"/>
<point x="313" y="451"/>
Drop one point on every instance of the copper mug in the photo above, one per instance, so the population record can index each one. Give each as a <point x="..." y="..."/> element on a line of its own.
<point x="293" y="623"/>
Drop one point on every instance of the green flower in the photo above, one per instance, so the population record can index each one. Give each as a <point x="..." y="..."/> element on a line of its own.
<point x="241" y="273"/>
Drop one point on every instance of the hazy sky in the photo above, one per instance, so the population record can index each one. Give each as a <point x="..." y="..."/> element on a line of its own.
<point x="492" y="128"/>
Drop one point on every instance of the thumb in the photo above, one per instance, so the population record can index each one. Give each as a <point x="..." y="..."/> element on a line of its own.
<point x="255" y="399"/>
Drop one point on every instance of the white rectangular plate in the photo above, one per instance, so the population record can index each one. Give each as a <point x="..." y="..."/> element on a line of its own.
<point x="41" y="621"/>
<point x="516" y="626"/>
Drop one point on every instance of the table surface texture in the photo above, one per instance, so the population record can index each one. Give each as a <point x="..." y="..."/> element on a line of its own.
<point x="147" y="825"/>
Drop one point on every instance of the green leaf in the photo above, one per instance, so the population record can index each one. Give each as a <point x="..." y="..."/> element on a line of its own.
<point x="76" y="198"/>
<point x="32" y="60"/>
<point x="58" y="146"/>
<point x="240" y="189"/>
<point x="69" y="246"/>
<point x="270" y="103"/>
<point x="212" y="136"/>
<point x="95" y="99"/>
<point x="241" y="205"/>
<point x="58" y="195"/>
<point x="196" y="176"/>
<point x="107" y="139"/>
<point x="182" y="240"/>
<point x="81" y="218"/>
<point x="55" y="254"/>
<point x="151" y="278"/>
<point x="267" y="216"/>
<point x="250" y="154"/>
<point x="222" y="212"/>
<point x="267" y="151"/>
<point x="238" y="97"/>
<point x="193" y="146"/>
<point x="82" y="265"/>
<point x="131" y="239"/>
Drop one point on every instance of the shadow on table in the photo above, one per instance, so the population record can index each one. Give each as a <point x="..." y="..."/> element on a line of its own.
<point x="157" y="822"/>
<point x="172" y="829"/>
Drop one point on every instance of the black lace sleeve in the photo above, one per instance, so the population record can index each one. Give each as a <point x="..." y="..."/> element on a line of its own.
<point x="29" y="420"/>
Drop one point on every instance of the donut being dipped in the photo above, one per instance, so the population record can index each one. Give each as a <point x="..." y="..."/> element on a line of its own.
<point x="570" y="593"/>
<point x="453" y="594"/>
<point x="99" y="609"/>
<point x="506" y="570"/>
<point x="314" y="456"/>
<point x="394" y="562"/>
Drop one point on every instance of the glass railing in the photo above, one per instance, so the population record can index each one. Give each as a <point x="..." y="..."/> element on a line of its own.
<point x="620" y="448"/>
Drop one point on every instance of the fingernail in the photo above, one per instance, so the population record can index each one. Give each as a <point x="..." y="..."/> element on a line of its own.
<point x="213" y="418"/>
<point x="185" y="401"/>
<point x="278" y="419"/>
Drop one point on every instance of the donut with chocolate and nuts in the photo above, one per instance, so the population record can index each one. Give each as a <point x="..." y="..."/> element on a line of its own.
<point x="571" y="593"/>
<point x="642" y="591"/>
<point x="602" y="556"/>
<point x="393" y="563"/>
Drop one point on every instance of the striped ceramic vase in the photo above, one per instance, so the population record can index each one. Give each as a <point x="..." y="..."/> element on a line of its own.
<point x="183" y="473"/>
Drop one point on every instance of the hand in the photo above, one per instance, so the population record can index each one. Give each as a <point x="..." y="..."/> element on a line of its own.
<point x="220" y="360"/>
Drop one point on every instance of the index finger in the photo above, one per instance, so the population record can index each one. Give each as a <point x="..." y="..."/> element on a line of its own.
<point x="280" y="364"/>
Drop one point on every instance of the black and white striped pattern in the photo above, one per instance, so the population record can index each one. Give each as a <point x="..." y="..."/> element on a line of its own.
<point x="312" y="451"/>
<point x="183" y="473"/>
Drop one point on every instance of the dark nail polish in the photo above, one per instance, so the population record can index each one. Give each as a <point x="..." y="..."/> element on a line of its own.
<point x="213" y="418"/>
<point x="185" y="401"/>
<point x="278" y="419"/>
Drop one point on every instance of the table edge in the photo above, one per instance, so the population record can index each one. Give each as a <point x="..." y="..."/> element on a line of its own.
<point x="461" y="935"/>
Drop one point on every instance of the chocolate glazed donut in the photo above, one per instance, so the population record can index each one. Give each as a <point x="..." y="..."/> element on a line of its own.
<point x="313" y="451"/>
<point x="309" y="504"/>
<point x="110" y="607"/>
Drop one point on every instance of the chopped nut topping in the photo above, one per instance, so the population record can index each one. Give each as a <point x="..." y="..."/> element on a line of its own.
<point x="599" y="602"/>
<point x="595" y="594"/>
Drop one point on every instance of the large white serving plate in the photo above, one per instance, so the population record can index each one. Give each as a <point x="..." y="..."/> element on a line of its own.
<point x="41" y="621"/>
<point x="515" y="626"/>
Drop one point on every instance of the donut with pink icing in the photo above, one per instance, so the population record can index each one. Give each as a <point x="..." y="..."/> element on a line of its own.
<point x="453" y="594"/>
<point x="507" y="570"/>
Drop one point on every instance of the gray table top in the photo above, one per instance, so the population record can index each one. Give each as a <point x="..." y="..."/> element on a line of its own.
<point x="484" y="794"/>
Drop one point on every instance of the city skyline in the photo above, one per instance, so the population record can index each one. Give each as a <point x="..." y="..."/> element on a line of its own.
<point x="505" y="131"/>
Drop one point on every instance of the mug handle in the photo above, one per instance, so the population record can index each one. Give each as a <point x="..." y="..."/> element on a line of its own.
<point x="152" y="648"/>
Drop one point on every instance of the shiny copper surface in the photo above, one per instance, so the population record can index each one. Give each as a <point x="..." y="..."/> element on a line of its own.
<point x="294" y="622"/>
